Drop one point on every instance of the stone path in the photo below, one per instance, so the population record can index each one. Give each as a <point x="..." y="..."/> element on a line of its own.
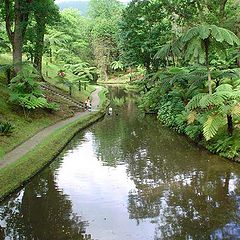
<point x="32" y="142"/>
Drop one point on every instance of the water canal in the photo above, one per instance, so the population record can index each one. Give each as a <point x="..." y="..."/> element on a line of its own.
<point x="128" y="178"/>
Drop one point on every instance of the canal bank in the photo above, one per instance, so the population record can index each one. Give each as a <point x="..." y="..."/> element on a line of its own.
<point x="30" y="158"/>
<point x="127" y="177"/>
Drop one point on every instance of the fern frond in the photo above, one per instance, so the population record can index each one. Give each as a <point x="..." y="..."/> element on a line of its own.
<point x="211" y="100"/>
<point x="191" y="33"/>
<point x="192" y="116"/>
<point x="204" y="32"/>
<point x="224" y="35"/>
<point x="212" y="125"/>
<point x="236" y="110"/>
<point x="224" y="87"/>
<point x="163" y="52"/>
<point x="195" y="101"/>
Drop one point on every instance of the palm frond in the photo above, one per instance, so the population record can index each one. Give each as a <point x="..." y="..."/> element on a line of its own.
<point x="236" y="110"/>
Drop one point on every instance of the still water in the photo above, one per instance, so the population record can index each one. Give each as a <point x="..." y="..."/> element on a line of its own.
<point x="127" y="178"/>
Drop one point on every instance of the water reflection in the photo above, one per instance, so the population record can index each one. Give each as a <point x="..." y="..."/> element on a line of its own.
<point x="41" y="211"/>
<point x="128" y="178"/>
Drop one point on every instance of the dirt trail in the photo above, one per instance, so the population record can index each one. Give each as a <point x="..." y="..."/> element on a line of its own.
<point x="32" y="142"/>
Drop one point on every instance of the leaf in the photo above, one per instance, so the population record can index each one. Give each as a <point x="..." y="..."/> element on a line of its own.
<point x="191" y="33"/>
<point x="195" y="101"/>
<point x="191" y="117"/>
<point x="211" y="100"/>
<point x="212" y="125"/>
<point x="217" y="33"/>
<point x="236" y="110"/>
<point x="224" y="87"/>
<point x="224" y="35"/>
<point x="163" y="52"/>
<point x="204" y="32"/>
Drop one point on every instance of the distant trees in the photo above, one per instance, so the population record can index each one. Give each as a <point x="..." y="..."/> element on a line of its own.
<point x="105" y="15"/>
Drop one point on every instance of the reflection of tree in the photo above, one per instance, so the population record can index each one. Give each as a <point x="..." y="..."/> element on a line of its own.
<point x="186" y="196"/>
<point x="189" y="204"/>
<point x="42" y="211"/>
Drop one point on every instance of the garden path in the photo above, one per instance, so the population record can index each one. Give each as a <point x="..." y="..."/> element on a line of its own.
<point x="32" y="142"/>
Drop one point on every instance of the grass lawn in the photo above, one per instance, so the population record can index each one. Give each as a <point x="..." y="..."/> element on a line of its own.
<point x="24" y="128"/>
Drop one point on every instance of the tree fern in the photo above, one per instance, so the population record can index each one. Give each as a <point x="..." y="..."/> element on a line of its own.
<point x="224" y="87"/>
<point x="211" y="100"/>
<point x="204" y="31"/>
<point x="212" y="125"/>
<point x="194" y="102"/>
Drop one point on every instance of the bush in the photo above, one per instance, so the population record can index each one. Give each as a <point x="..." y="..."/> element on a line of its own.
<point x="224" y="145"/>
<point x="6" y="127"/>
<point x="169" y="111"/>
<point x="26" y="91"/>
<point x="52" y="106"/>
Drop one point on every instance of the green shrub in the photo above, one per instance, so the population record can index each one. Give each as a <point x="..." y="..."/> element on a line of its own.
<point x="52" y="106"/>
<point x="6" y="127"/>
<point x="194" y="131"/>
<point x="226" y="147"/>
<point x="169" y="109"/>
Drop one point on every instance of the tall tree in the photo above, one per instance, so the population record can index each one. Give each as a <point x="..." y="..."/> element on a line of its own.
<point x="105" y="15"/>
<point x="16" y="17"/>
<point x="45" y="13"/>
<point x="143" y="28"/>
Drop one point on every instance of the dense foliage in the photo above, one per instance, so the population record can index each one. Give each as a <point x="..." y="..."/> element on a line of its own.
<point x="190" y="50"/>
<point x="187" y="53"/>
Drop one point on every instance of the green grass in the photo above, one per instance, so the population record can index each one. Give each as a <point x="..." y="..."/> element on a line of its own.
<point x="25" y="128"/>
<point x="15" y="175"/>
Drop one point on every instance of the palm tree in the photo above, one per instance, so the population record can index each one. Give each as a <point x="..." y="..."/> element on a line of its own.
<point x="199" y="40"/>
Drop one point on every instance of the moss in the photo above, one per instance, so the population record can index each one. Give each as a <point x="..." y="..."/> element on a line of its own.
<point x="17" y="174"/>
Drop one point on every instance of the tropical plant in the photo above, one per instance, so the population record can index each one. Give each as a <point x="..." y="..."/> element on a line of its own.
<point x="117" y="65"/>
<point x="26" y="91"/>
<point x="200" y="39"/>
<point x="171" y="49"/>
<point x="220" y="108"/>
<point x="69" y="83"/>
<point x="6" y="127"/>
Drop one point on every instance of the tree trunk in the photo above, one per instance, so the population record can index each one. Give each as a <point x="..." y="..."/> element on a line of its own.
<point x="206" y="45"/>
<point x="230" y="124"/>
<point x="21" y="12"/>
<point x="39" y="45"/>
<point x="50" y="55"/>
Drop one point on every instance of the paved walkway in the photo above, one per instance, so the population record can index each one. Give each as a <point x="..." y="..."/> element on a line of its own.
<point x="32" y="142"/>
